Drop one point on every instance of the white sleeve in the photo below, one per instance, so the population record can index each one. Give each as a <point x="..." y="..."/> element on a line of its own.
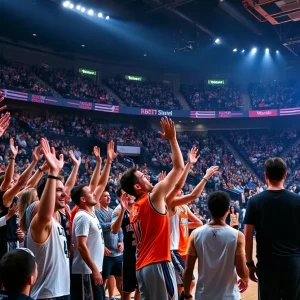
<point x="82" y="226"/>
<point x="2" y="221"/>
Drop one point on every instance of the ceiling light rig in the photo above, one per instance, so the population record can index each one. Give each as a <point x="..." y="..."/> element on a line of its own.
<point x="80" y="8"/>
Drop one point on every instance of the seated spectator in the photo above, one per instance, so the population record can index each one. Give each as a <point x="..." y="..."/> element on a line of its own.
<point x="210" y="97"/>
<point x="274" y="95"/>
<point x="144" y="94"/>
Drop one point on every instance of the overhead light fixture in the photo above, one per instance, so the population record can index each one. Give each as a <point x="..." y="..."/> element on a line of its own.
<point x="267" y="50"/>
<point x="217" y="41"/>
<point x="78" y="7"/>
<point x="243" y="50"/>
<point x="100" y="15"/>
<point x="66" y="4"/>
<point x="234" y="50"/>
<point x="90" y="12"/>
<point x="107" y="18"/>
<point x="277" y="51"/>
<point x="145" y="54"/>
<point x="83" y="46"/>
<point x="254" y="50"/>
<point x="82" y="9"/>
<point x="34" y="34"/>
<point x="71" y="6"/>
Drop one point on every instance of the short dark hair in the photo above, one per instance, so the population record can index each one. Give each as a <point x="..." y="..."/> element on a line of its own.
<point x="42" y="183"/>
<point x="16" y="267"/>
<point x="275" y="169"/>
<point x="128" y="180"/>
<point x="77" y="193"/>
<point x="119" y="192"/>
<point x="218" y="204"/>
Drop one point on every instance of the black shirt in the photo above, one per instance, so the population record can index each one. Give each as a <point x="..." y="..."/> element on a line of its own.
<point x="129" y="241"/>
<point x="5" y="296"/>
<point x="3" y="212"/>
<point x="276" y="219"/>
<point x="64" y="222"/>
<point x="12" y="225"/>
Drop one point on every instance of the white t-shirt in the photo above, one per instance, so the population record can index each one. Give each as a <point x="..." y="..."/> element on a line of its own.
<point x="86" y="224"/>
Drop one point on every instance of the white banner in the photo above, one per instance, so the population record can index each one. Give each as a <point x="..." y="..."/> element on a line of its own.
<point x="129" y="150"/>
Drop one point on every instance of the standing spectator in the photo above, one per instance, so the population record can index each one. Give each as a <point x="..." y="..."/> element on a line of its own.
<point x="220" y="250"/>
<point x="88" y="242"/>
<point x="113" y="259"/>
<point x="278" y="251"/>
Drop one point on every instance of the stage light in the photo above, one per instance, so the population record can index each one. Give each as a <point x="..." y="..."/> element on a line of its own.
<point x="34" y="34"/>
<point x="277" y="51"/>
<point x="82" y="46"/>
<point x="217" y="41"/>
<point x="234" y="50"/>
<point x="71" y="6"/>
<point x="253" y="51"/>
<point x="66" y="4"/>
<point x="78" y="7"/>
<point x="82" y="9"/>
<point x="100" y="15"/>
<point x="90" y="12"/>
<point x="267" y="50"/>
<point x="243" y="50"/>
<point x="107" y="18"/>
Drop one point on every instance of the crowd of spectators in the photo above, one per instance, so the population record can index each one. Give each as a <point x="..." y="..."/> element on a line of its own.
<point x="213" y="97"/>
<point x="144" y="94"/>
<point x="256" y="146"/>
<point x="274" y="95"/>
<point x="73" y="85"/>
<point x="17" y="76"/>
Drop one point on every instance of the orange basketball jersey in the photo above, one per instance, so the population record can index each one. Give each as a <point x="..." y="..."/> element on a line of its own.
<point x="151" y="232"/>
<point x="184" y="231"/>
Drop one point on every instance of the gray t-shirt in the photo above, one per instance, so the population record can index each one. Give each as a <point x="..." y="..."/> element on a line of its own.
<point x="86" y="224"/>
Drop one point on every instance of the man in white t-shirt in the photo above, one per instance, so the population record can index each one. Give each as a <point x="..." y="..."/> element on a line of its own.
<point x="88" y="243"/>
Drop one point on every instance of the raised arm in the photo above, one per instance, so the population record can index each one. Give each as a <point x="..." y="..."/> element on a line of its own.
<point x="180" y="200"/>
<point x="111" y="155"/>
<point x="33" y="181"/>
<point x="171" y="196"/>
<point x="118" y="215"/>
<point x="194" y="222"/>
<point x="96" y="174"/>
<point x="161" y="189"/>
<point x="12" y="192"/>
<point x="9" y="173"/>
<point x="72" y="178"/>
<point x="41" y="223"/>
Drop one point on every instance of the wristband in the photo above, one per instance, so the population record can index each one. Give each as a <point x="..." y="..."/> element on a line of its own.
<point x="53" y="177"/>
<point x="187" y="296"/>
<point x="205" y="179"/>
<point x="250" y="264"/>
<point x="12" y="158"/>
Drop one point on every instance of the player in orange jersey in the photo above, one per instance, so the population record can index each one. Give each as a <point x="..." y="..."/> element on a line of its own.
<point x="150" y="218"/>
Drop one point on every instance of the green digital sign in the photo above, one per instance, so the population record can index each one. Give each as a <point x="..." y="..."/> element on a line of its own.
<point x="136" y="78"/>
<point x="216" y="81"/>
<point x="88" y="72"/>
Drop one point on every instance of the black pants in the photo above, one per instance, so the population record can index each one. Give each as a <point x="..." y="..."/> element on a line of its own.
<point x="83" y="288"/>
<point x="279" y="280"/>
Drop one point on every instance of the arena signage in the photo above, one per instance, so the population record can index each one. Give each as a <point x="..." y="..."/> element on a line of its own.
<point x="156" y="112"/>
<point x="88" y="72"/>
<point x="136" y="78"/>
<point x="107" y="108"/>
<point x="215" y="82"/>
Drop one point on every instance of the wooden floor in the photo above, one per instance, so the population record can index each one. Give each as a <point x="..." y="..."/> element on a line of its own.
<point x="250" y="294"/>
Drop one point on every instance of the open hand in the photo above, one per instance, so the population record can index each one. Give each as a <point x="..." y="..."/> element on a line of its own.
<point x="4" y="122"/>
<point x="111" y="154"/>
<point x="193" y="156"/>
<point x="76" y="161"/>
<point x="13" y="149"/>
<point x="55" y="165"/>
<point x="162" y="175"/>
<point x="96" y="151"/>
<point x="37" y="154"/>
<point x="168" y="127"/>
<point x="242" y="285"/>
<point x="211" y="171"/>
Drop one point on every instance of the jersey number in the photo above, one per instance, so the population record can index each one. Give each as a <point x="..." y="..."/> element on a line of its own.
<point x="137" y="235"/>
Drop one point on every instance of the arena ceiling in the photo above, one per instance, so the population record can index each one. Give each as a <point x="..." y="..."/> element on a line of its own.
<point x="167" y="32"/>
